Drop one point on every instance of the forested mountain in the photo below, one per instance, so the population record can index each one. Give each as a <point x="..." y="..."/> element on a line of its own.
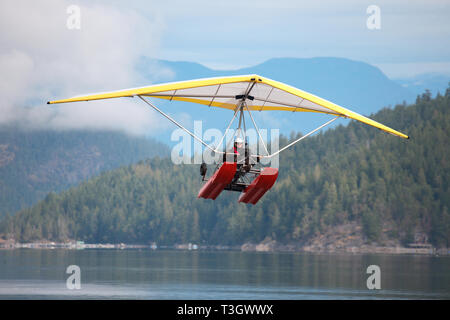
<point x="393" y="188"/>
<point x="33" y="163"/>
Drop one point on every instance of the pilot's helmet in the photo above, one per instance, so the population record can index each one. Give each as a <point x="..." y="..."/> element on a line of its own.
<point x="239" y="142"/>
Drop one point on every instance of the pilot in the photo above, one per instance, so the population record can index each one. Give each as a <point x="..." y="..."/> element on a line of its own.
<point x="242" y="154"/>
<point x="238" y="145"/>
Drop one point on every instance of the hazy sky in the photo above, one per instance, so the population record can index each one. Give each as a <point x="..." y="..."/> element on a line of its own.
<point x="414" y="36"/>
<point x="41" y="58"/>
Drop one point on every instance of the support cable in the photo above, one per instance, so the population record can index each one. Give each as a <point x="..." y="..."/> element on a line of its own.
<point x="301" y="138"/>
<point x="179" y="125"/>
<point x="226" y="130"/>
<point x="257" y="130"/>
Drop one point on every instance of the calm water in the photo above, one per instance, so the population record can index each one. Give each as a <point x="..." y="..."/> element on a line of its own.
<point x="146" y="274"/>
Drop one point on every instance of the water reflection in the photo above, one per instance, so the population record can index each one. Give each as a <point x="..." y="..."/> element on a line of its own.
<point x="145" y="274"/>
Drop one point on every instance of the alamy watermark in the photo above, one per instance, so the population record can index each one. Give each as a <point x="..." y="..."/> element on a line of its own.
<point x="191" y="151"/>
<point x="73" y="21"/>
<point x="373" y="22"/>
<point x="374" y="280"/>
<point x="73" y="282"/>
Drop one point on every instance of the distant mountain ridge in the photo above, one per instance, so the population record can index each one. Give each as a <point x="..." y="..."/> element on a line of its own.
<point x="434" y="82"/>
<point x="316" y="69"/>
<point x="355" y="85"/>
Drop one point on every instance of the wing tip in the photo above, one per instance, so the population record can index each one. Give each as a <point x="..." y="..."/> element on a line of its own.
<point x="402" y="135"/>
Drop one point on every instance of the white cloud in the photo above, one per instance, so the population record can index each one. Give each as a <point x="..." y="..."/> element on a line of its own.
<point x="41" y="60"/>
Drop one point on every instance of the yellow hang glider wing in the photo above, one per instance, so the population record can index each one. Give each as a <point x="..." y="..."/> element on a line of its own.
<point x="227" y="92"/>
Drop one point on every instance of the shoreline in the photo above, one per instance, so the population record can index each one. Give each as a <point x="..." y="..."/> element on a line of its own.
<point x="246" y="247"/>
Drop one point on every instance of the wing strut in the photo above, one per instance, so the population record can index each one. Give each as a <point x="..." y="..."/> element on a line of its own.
<point x="301" y="138"/>
<point x="179" y="125"/>
<point x="257" y="130"/>
<point x="226" y="130"/>
<point x="234" y="116"/>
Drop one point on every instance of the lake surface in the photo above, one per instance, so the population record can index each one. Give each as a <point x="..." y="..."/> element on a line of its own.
<point x="172" y="274"/>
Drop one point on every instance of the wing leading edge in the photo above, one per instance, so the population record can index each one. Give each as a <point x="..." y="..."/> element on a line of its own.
<point x="227" y="92"/>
